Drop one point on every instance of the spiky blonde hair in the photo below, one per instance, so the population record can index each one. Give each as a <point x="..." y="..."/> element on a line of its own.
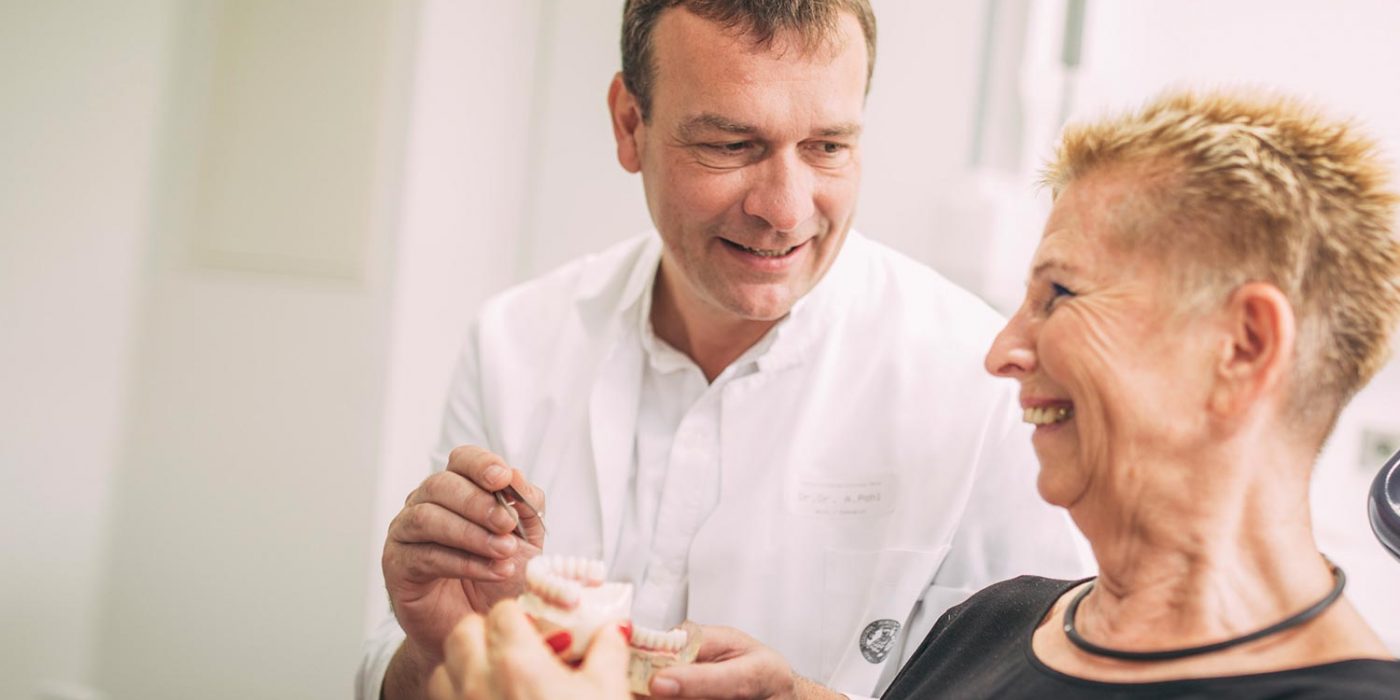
<point x="1240" y="187"/>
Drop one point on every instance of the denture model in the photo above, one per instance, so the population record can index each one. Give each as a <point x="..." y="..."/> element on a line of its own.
<point x="569" y="601"/>
<point x="654" y="650"/>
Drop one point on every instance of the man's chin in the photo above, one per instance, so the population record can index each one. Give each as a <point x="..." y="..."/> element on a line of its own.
<point x="765" y="309"/>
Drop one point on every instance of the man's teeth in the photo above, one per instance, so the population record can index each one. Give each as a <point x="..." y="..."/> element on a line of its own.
<point x="1047" y="415"/>
<point x="765" y="253"/>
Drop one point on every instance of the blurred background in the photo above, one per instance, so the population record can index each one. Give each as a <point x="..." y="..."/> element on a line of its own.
<point x="240" y="241"/>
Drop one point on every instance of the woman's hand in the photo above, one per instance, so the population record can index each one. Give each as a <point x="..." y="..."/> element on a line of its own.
<point x="502" y="657"/>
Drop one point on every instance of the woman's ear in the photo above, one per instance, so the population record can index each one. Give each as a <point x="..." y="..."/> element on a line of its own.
<point x="626" y="121"/>
<point x="1261" y="333"/>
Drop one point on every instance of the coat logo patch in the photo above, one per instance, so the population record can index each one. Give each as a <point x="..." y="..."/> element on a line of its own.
<point x="877" y="639"/>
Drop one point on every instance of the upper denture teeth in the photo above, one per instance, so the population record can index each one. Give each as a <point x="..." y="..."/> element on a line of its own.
<point x="560" y="580"/>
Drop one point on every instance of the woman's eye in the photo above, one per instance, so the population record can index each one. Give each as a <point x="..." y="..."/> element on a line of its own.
<point x="1057" y="292"/>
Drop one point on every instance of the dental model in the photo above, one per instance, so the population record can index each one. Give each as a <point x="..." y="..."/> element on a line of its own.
<point x="653" y="650"/>
<point x="569" y="601"/>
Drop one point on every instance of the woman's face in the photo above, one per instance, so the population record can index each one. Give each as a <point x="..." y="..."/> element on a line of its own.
<point x="1114" y="380"/>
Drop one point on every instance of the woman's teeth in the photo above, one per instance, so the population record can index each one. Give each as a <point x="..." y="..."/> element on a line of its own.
<point x="1047" y="415"/>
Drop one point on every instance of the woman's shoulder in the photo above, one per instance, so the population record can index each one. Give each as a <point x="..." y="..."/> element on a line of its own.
<point x="1354" y="678"/>
<point x="997" y="614"/>
<point x="1028" y="594"/>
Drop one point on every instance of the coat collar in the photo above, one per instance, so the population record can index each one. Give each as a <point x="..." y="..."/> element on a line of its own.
<point x="617" y="300"/>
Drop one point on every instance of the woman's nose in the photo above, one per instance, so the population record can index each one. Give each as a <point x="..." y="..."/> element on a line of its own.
<point x="1012" y="353"/>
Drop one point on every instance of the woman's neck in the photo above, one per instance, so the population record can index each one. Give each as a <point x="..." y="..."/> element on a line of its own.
<point x="1198" y="551"/>
<point x="1226" y="553"/>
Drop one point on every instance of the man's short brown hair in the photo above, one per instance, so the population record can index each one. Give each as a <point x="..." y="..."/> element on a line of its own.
<point x="1235" y="188"/>
<point x="813" y="22"/>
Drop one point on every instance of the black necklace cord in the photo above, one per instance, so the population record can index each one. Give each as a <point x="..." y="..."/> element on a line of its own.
<point x="1303" y="617"/>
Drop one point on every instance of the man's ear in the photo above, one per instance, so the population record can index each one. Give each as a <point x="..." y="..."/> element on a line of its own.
<point x="626" y="121"/>
<point x="1258" y="353"/>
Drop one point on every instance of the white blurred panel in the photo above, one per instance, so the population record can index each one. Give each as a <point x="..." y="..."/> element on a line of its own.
<point x="291" y="136"/>
<point x="919" y="129"/>
<point x="81" y="85"/>
<point x="460" y="227"/>
<point x="580" y="199"/>
<point x="1343" y="54"/>
<point x="246" y="489"/>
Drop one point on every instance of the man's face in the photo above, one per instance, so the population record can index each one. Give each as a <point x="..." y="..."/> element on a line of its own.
<point x="749" y="161"/>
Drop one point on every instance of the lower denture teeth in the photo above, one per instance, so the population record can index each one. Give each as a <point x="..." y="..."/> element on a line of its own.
<point x="654" y="640"/>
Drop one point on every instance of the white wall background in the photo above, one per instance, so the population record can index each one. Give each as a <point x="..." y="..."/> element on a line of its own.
<point x="464" y="204"/>
<point x="235" y="558"/>
<point x="81" y="87"/>
<point x="240" y="241"/>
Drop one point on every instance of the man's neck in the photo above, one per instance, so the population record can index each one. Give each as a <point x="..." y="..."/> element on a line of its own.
<point x="709" y="336"/>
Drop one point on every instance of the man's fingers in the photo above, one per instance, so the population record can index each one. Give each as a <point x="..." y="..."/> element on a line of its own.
<point x="458" y="494"/>
<point x="481" y="467"/>
<point x="430" y="523"/>
<point x="721" y="643"/>
<point x="531" y="493"/>
<point x="424" y="563"/>
<point x="729" y="665"/>
<point x="728" y="680"/>
<point x="531" y="513"/>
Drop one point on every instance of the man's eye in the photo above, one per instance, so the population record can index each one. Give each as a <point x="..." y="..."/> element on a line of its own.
<point x="732" y="148"/>
<point x="829" y="149"/>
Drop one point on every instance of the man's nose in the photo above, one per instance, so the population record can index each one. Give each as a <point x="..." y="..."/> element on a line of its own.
<point x="783" y="192"/>
<point x="1012" y="353"/>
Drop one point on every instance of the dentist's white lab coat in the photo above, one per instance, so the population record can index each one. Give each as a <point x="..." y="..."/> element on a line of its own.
<point x="871" y="473"/>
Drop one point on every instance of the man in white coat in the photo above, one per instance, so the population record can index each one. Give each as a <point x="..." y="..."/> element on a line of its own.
<point x="758" y="417"/>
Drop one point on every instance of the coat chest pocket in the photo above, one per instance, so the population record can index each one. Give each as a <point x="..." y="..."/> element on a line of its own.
<point x="868" y="596"/>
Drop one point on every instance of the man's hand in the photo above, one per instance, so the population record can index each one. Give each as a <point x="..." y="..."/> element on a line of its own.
<point x="732" y="665"/>
<point x="450" y="552"/>
<point x="504" y="658"/>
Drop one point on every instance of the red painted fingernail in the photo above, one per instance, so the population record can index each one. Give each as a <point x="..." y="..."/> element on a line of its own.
<point x="626" y="630"/>
<point x="559" y="641"/>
